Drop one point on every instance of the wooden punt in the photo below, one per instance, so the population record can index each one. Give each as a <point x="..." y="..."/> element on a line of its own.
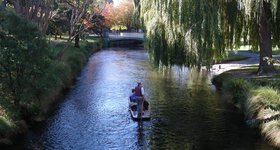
<point x="134" y="113"/>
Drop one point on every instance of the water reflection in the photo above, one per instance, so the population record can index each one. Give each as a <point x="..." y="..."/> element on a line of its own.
<point x="186" y="113"/>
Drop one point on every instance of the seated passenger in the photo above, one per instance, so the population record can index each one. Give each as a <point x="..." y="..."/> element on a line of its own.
<point x="133" y="97"/>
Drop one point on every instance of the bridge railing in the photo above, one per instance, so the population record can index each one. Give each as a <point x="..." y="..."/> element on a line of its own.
<point x="132" y="34"/>
<point x="127" y="35"/>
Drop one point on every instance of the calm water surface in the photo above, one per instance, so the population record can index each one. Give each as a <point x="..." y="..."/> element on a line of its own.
<point x="186" y="111"/>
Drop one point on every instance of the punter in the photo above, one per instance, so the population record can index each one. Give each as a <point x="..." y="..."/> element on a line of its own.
<point x="139" y="93"/>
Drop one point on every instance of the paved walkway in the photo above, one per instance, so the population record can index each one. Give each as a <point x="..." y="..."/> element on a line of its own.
<point x="220" y="68"/>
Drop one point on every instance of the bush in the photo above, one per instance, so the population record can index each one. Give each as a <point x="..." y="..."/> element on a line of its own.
<point x="57" y="75"/>
<point x="24" y="56"/>
<point x="271" y="82"/>
<point x="218" y="80"/>
<point x="238" y="89"/>
<point x="76" y="60"/>
<point x="263" y="97"/>
<point x="6" y="127"/>
<point x="92" y="46"/>
<point x="89" y="46"/>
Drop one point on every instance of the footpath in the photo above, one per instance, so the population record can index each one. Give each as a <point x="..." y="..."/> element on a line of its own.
<point x="223" y="67"/>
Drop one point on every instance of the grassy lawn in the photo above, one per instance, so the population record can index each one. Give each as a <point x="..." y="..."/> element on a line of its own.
<point x="232" y="57"/>
<point x="276" y="52"/>
<point x="59" y="44"/>
<point x="235" y="57"/>
<point x="94" y="39"/>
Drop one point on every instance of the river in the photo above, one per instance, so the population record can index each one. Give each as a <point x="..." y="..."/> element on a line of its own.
<point x="186" y="111"/>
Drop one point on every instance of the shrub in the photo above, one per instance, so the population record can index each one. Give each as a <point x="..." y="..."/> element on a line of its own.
<point x="239" y="89"/>
<point x="76" y="60"/>
<point x="57" y="75"/>
<point x="271" y="82"/>
<point x="6" y="127"/>
<point x="262" y="97"/>
<point x="218" y="80"/>
<point x="24" y="56"/>
<point x="89" y="46"/>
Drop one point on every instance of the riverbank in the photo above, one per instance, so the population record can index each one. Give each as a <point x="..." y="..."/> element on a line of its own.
<point x="59" y="77"/>
<point x="255" y="96"/>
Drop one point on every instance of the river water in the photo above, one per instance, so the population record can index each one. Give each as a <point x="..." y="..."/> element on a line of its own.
<point x="186" y="111"/>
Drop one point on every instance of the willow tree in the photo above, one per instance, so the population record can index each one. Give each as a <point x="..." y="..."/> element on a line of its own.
<point x="197" y="32"/>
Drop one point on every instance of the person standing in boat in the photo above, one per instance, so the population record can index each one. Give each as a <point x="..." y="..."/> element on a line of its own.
<point x="139" y="90"/>
<point x="139" y="93"/>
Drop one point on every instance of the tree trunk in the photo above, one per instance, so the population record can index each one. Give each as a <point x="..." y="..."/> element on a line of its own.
<point x="265" y="40"/>
<point x="37" y="11"/>
<point x="77" y="41"/>
<point x="4" y="3"/>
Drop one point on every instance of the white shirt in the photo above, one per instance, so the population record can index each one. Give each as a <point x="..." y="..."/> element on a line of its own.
<point x="142" y="91"/>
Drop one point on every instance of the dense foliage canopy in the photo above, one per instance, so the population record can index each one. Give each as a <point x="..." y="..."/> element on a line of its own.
<point x="198" y="32"/>
<point x="121" y="15"/>
<point x="24" y="57"/>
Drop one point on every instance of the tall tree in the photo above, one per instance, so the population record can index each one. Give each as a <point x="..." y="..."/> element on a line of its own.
<point x="265" y="36"/>
<point x="97" y="24"/>
<point x="39" y="11"/>
<point x="124" y="13"/>
<point x="187" y="28"/>
<point x="80" y="11"/>
<point x="83" y="10"/>
<point x="119" y="15"/>
<point x="109" y="15"/>
<point x="59" y="23"/>
<point x="4" y="3"/>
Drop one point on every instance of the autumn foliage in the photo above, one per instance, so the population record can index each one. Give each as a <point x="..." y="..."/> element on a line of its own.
<point x="119" y="15"/>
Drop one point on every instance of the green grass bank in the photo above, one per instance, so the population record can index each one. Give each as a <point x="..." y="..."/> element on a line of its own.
<point x="257" y="97"/>
<point x="56" y="80"/>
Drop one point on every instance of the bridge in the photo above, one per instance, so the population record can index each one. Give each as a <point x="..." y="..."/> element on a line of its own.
<point x="125" y="38"/>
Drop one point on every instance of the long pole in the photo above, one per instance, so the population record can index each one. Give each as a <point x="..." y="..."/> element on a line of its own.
<point x="142" y="105"/>
<point x="141" y="111"/>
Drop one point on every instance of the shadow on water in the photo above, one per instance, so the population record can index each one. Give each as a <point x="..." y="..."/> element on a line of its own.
<point x="186" y="112"/>
<point x="141" y="142"/>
